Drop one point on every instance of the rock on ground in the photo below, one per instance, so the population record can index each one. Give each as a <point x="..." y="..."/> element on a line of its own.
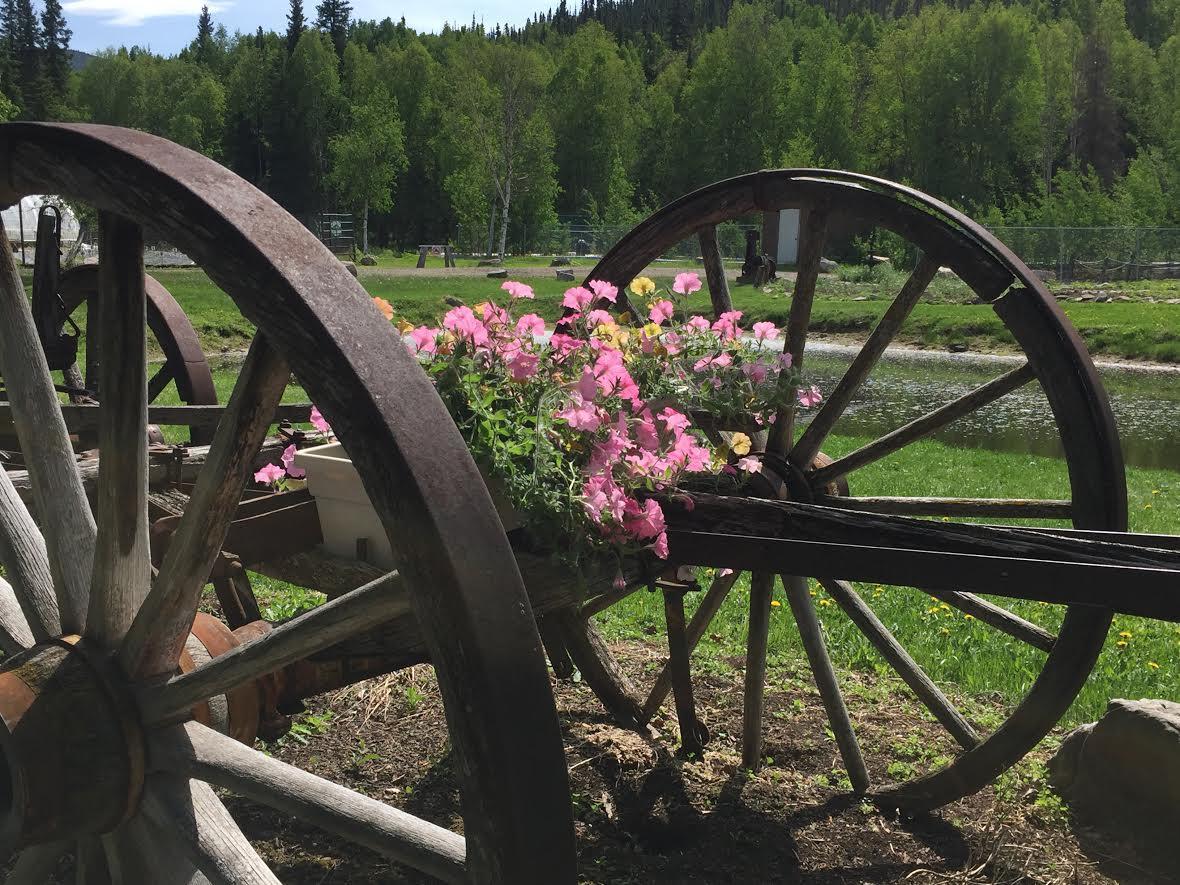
<point x="1121" y="775"/>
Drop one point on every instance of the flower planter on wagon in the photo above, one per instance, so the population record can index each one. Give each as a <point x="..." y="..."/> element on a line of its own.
<point x="457" y="599"/>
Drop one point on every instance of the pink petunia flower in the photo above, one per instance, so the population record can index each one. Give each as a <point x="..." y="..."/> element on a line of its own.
<point x="727" y="327"/>
<point x="270" y="474"/>
<point x="597" y="318"/>
<point x="466" y="326"/>
<point x="660" y="545"/>
<point x="530" y="324"/>
<point x="318" y="421"/>
<point x="644" y="520"/>
<point x="522" y="365"/>
<point x="604" y="290"/>
<point x="580" y="414"/>
<point x="686" y="283"/>
<point x="765" y="331"/>
<point x="577" y="298"/>
<point x="697" y="324"/>
<point x="288" y="459"/>
<point x="517" y="290"/>
<point x="810" y="397"/>
<point x="749" y="464"/>
<point x="425" y="339"/>
<point x="662" y="310"/>
<point x="756" y="372"/>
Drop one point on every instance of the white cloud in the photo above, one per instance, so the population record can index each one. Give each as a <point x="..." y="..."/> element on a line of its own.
<point x="130" y="13"/>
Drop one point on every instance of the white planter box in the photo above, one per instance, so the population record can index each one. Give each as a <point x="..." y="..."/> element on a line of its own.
<point x="349" y="523"/>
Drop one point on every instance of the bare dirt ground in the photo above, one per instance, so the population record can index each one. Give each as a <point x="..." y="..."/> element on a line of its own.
<point x="643" y="815"/>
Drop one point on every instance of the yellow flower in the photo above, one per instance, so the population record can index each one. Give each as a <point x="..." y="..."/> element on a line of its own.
<point x="825" y="602"/>
<point x="945" y="632"/>
<point x="1147" y="506"/>
<point x="1153" y="665"/>
<point x="812" y="592"/>
<point x="642" y="286"/>
<point x="740" y="444"/>
<point x="774" y="603"/>
<point x="1155" y="491"/>
<point x="1124" y="634"/>
<point x="968" y="617"/>
<point x="652" y="330"/>
<point x="384" y="306"/>
<point x="1121" y="643"/>
<point x="405" y="327"/>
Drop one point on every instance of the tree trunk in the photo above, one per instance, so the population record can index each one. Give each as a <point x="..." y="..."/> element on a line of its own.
<point x="491" y="229"/>
<point x="504" y="217"/>
<point x="365" y="229"/>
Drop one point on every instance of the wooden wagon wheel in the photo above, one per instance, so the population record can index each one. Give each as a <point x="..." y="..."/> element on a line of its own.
<point x="184" y="363"/>
<point x="99" y="752"/>
<point x="1056" y="359"/>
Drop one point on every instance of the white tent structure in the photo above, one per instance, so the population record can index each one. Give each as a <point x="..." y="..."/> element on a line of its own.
<point x="20" y="220"/>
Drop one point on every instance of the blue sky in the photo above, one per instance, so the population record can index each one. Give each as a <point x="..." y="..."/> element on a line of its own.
<point x="168" y="25"/>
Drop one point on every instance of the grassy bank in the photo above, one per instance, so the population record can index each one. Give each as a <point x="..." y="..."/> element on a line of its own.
<point x="1138" y="330"/>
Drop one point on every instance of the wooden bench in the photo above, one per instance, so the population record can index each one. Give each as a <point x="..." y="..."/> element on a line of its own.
<point x="444" y="250"/>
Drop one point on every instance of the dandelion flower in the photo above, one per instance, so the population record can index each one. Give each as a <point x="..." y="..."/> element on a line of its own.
<point x="774" y="603"/>
<point x="1125" y="634"/>
<point x="1152" y="665"/>
<point x="1121" y="643"/>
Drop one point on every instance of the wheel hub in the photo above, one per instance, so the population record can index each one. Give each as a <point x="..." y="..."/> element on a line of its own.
<point x="781" y="480"/>
<point x="72" y="748"/>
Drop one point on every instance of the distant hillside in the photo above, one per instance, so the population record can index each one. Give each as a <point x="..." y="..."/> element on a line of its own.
<point x="79" y="59"/>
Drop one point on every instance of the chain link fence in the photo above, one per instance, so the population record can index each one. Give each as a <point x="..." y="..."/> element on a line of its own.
<point x="1097" y="253"/>
<point x="596" y="240"/>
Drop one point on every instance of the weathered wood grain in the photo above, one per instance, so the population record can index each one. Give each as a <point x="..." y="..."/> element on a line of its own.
<point x="122" y="575"/>
<point x="63" y="512"/>
<point x="26" y="562"/>
<point x="205" y="830"/>
<point x="199" y="752"/>
<point x="313" y="631"/>
<point x="714" y="270"/>
<point x="155" y="640"/>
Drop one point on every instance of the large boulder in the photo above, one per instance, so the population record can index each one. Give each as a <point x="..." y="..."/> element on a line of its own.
<point x="1121" y="776"/>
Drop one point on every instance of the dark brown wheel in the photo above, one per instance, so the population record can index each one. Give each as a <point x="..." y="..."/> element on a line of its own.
<point x="184" y="363"/>
<point x="99" y="754"/>
<point x="1056" y="360"/>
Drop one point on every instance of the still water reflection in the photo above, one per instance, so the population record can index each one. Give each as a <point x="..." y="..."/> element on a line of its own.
<point x="906" y="385"/>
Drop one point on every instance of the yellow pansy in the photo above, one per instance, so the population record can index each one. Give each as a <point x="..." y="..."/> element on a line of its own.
<point x="740" y="444"/>
<point x="405" y="327"/>
<point x="642" y="286"/>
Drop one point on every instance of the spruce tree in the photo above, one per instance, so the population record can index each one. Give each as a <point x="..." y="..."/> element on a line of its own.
<point x="204" y="43"/>
<point x="55" y="48"/>
<point x="28" y="61"/>
<point x="9" y="59"/>
<point x="295" y="25"/>
<point x="332" y="17"/>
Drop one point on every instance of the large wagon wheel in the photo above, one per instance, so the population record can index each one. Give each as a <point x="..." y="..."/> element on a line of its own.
<point x="184" y="365"/>
<point x="1056" y="359"/>
<point x="99" y="752"/>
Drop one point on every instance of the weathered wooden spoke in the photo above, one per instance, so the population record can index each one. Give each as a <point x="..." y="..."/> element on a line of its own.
<point x="26" y="564"/>
<point x="753" y="696"/>
<point x="121" y="576"/>
<point x="60" y="504"/>
<point x="208" y="836"/>
<point x="996" y="508"/>
<point x="922" y="427"/>
<point x="15" y="634"/>
<point x="900" y="660"/>
<point x="837" y="400"/>
<point x="161" y="379"/>
<point x="812" y="238"/>
<point x="301" y="637"/>
<point x="155" y="640"/>
<point x="714" y="270"/>
<point x="199" y="752"/>
<point x="825" y="680"/>
<point x="697" y="625"/>
<point x="998" y="617"/>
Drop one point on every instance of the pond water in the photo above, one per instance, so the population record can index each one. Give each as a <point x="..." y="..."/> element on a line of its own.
<point x="907" y="384"/>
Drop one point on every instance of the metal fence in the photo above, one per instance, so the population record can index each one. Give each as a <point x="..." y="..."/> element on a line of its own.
<point x="593" y="240"/>
<point x="1097" y="253"/>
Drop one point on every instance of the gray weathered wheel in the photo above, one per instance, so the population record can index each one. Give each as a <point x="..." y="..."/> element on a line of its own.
<point x="1056" y="359"/>
<point x="99" y="752"/>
